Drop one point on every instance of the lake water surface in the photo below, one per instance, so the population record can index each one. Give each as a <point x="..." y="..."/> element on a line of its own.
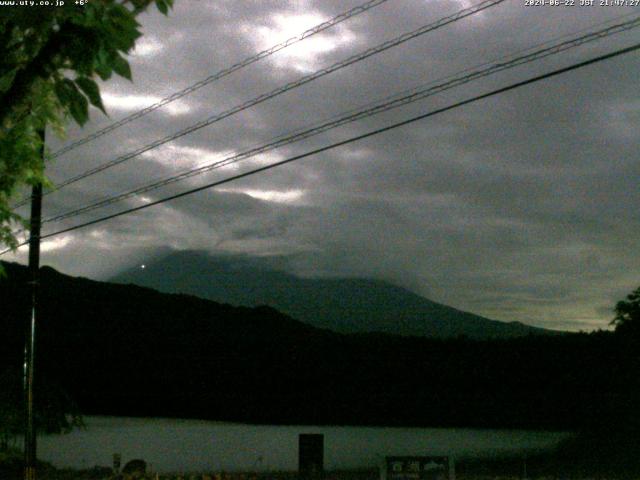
<point x="170" y="445"/>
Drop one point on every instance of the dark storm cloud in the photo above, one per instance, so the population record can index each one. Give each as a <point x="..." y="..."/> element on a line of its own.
<point x="518" y="207"/>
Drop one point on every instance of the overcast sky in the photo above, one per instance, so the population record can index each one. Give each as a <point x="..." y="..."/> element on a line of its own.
<point x="519" y="207"/>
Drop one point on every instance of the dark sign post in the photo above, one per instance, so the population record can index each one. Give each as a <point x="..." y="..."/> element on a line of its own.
<point x="311" y="456"/>
<point x="418" y="468"/>
<point x="117" y="461"/>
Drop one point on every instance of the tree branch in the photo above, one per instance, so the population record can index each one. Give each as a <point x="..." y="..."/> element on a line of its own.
<point x="25" y="78"/>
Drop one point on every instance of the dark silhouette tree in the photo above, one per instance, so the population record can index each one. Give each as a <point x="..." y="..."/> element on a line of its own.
<point x="55" y="411"/>
<point x="627" y="319"/>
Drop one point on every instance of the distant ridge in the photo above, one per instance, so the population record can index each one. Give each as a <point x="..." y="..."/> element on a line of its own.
<point x="128" y="350"/>
<point x="344" y="305"/>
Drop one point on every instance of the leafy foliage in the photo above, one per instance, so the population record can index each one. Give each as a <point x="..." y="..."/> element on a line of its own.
<point x="627" y="317"/>
<point x="48" y="60"/>
<point x="55" y="411"/>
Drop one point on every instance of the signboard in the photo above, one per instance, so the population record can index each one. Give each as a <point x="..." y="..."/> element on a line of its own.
<point x="417" y="468"/>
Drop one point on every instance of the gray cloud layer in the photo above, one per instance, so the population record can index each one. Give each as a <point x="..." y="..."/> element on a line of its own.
<point x="519" y="207"/>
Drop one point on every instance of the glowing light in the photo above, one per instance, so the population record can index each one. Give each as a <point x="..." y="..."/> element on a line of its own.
<point x="147" y="46"/>
<point x="186" y="157"/>
<point x="276" y="196"/>
<point x="301" y="56"/>
<point x="55" y="244"/>
<point x="137" y="102"/>
<point x="468" y="4"/>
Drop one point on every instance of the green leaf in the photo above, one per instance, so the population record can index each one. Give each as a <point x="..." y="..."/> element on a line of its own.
<point x="92" y="91"/>
<point x="123" y="18"/>
<point x="121" y="67"/>
<point x="120" y="28"/>
<point x="79" y="109"/>
<point x="103" y="72"/>
<point x="103" y="64"/>
<point x="140" y="5"/>
<point x="82" y="47"/>
<point x="65" y="90"/>
<point x="73" y="100"/>
<point x="117" y="37"/>
<point x="162" y="6"/>
<point x="7" y="79"/>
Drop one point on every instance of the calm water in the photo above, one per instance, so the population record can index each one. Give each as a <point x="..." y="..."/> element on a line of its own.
<point x="190" y="445"/>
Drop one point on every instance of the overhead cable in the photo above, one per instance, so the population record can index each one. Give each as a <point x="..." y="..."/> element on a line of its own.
<point x="285" y="88"/>
<point x="378" y="131"/>
<point x="394" y="102"/>
<point x="221" y="74"/>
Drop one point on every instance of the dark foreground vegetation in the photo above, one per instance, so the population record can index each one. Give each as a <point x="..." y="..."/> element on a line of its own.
<point x="126" y="350"/>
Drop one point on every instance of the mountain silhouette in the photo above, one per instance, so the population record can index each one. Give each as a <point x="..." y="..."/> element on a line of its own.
<point x="344" y="305"/>
<point x="133" y="351"/>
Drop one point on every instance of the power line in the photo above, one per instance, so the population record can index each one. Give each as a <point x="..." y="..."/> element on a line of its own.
<point x="491" y="62"/>
<point x="222" y="73"/>
<point x="349" y="140"/>
<point x="289" y="86"/>
<point x="394" y="102"/>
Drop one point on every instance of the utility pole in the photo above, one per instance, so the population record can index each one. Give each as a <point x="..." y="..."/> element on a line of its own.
<point x="30" y="330"/>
